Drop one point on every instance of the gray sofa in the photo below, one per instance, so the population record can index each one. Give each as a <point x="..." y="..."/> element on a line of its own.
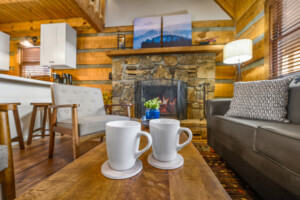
<point x="265" y="154"/>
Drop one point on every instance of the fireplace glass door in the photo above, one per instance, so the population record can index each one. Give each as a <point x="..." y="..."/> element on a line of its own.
<point x="172" y="94"/>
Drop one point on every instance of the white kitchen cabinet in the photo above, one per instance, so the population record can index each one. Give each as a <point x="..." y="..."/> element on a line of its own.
<point x="58" y="46"/>
<point x="4" y="51"/>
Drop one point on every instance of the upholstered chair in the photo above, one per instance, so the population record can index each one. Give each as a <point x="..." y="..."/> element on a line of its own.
<point x="79" y="112"/>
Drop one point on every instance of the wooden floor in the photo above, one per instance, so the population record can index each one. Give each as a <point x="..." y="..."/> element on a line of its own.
<point x="32" y="164"/>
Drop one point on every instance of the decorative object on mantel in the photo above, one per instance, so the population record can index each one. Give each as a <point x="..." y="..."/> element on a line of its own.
<point x="177" y="30"/>
<point x="238" y="52"/>
<point x="152" y="106"/>
<point x="121" y="41"/>
<point x="203" y="40"/>
<point x="147" y="32"/>
<point x="207" y="41"/>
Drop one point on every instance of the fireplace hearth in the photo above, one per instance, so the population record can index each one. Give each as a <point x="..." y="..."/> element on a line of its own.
<point x="172" y="93"/>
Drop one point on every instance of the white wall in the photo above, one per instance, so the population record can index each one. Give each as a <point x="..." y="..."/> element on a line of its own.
<point x="123" y="12"/>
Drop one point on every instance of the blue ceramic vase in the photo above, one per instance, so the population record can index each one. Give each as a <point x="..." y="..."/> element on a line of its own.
<point x="152" y="113"/>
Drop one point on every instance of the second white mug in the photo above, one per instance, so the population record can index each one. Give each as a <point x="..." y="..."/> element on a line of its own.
<point x="165" y="135"/>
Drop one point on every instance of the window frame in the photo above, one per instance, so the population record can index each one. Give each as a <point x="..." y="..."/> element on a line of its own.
<point x="270" y="70"/>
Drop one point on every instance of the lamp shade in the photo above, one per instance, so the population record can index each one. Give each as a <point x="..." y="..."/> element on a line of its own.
<point x="238" y="51"/>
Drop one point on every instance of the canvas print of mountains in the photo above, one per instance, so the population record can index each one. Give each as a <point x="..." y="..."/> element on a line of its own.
<point x="147" y="32"/>
<point x="177" y="30"/>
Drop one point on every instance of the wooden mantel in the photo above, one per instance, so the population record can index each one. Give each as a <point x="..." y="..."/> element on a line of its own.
<point x="167" y="50"/>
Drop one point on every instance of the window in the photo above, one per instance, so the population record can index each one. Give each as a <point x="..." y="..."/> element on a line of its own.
<point x="30" y="62"/>
<point x="284" y="34"/>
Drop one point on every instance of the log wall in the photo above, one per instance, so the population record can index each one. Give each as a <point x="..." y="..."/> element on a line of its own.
<point x="250" y="25"/>
<point x="93" y="66"/>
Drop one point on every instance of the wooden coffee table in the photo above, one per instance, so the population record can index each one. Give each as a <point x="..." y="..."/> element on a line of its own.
<point x="82" y="179"/>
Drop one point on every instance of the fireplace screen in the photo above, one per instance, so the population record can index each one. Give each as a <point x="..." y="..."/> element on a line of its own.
<point x="172" y="93"/>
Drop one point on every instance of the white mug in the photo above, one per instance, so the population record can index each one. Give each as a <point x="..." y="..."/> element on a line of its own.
<point x="122" y="143"/>
<point x="165" y="135"/>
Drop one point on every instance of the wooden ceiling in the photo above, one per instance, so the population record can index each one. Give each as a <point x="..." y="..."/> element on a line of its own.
<point x="14" y="11"/>
<point x="34" y="10"/>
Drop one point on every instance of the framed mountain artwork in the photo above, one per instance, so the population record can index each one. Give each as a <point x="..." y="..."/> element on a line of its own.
<point x="177" y="30"/>
<point x="147" y="32"/>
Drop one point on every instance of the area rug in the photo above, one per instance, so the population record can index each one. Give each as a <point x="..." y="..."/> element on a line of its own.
<point x="233" y="184"/>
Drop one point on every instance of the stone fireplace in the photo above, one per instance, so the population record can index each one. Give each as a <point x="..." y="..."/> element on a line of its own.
<point x="191" y="69"/>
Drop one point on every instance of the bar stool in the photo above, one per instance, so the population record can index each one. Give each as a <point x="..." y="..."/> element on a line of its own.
<point x="19" y="138"/>
<point x="32" y="122"/>
<point x="7" y="176"/>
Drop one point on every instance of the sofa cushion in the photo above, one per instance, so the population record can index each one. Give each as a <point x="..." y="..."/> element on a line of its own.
<point x="281" y="143"/>
<point x="294" y="99"/>
<point x="3" y="157"/>
<point x="91" y="124"/>
<point x="264" y="100"/>
<point x="242" y="131"/>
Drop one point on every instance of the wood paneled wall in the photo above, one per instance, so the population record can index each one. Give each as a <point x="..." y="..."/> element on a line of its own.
<point x="250" y="24"/>
<point x="93" y="66"/>
<point x="14" y="61"/>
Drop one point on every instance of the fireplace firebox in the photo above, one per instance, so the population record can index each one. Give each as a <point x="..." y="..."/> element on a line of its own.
<point x="172" y="93"/>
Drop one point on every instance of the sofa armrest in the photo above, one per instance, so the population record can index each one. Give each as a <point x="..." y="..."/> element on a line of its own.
<point x="217" y="107"/>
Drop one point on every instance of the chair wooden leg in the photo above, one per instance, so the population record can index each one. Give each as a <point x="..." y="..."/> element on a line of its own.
<point x="33" y="115"/>
<point x="101" y="139"/>
<point x="19" y="130"/>
<point x="44" y="122"/>
<point x="8" y="185"/>
<point x="52" y="133"/>
<point x="75" y="133"/>
<point x="76" y="152"/>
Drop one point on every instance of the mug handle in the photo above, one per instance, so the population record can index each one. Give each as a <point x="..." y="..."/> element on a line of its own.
<point x="180" y="146"/>
<point x="149" y="138"/>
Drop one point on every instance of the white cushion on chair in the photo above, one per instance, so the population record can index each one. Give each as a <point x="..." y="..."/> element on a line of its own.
<point x="3" y="157"/>
<point x="91" y="124"/>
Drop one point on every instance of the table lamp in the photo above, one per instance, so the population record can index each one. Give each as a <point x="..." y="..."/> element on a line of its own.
<point x="237" y="52"/>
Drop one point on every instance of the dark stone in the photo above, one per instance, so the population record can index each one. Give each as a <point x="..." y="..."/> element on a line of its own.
<point x="132" y="60"/>
<point x="162" y="72"/>
<point x="131" y="67"/>
<point x="116" y="70"/>
<point x="189" y="59"/>
<point x="170" y="61"/>
<point x="181" y="75"/>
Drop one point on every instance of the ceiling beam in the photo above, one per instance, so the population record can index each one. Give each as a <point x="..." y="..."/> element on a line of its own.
<point x="90" y="15"/>
<point x="227" y="6"/>
<point x="22" y="29"/>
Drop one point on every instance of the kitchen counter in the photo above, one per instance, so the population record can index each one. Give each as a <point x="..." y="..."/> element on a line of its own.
<point x="25" y="91"/>
<point x="24" y="80"/>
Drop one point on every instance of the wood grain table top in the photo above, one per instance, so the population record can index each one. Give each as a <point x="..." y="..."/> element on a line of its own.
<point x="82" y="179"/>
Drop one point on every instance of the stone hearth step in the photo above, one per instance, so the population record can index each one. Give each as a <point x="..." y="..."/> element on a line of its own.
<point x="198" y="127"/>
